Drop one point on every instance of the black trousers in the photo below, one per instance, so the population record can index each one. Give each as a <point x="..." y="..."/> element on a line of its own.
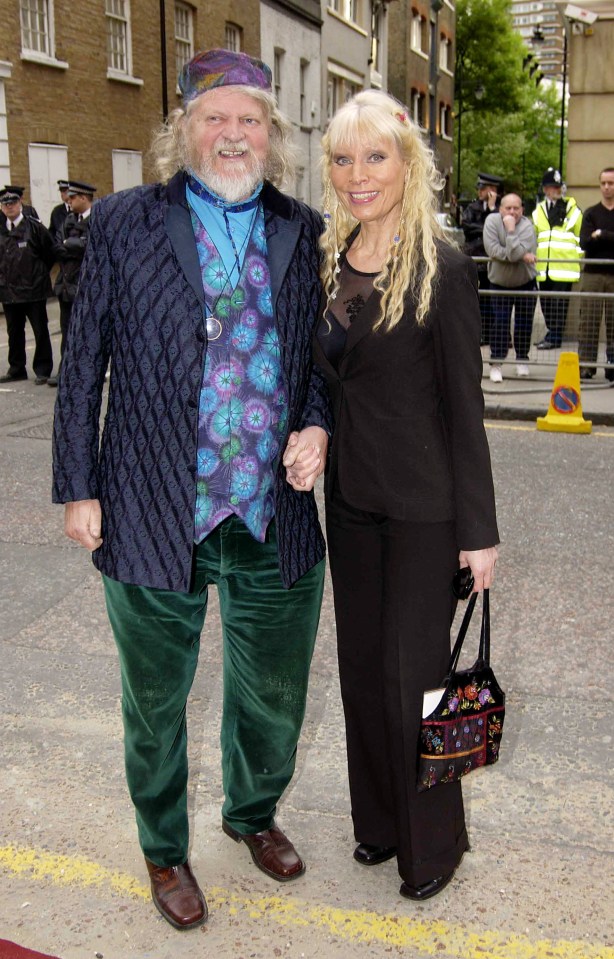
<point x="16" y="316"/>
<point x="555" y="308"/>
<point x="65" y="311"/>
<point x="394" y="607"/>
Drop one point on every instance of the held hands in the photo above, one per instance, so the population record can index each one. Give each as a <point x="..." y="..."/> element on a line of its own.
<point x="304" y="457"/>
<point x="482" y="563"/>
<point x="83" y="522"/>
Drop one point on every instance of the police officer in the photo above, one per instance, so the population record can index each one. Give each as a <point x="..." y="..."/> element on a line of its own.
<point x="26" y="209"/>
<point x="26" y="256"/>
<point x="70" y="250"/>
<point x="59" y="212"/>
<point x="488" y="189"/>
<point x="557" y="220"/>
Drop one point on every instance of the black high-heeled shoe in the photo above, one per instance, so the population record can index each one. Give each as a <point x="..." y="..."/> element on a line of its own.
<point x="368" y="855"/>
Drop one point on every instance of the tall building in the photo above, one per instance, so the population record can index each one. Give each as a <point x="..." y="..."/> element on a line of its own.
<point x="290" y="38"/>
<point x="539" y="24"/>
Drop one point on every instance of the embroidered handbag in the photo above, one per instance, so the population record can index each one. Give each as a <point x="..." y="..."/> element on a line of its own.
<point x="463" y="728"/>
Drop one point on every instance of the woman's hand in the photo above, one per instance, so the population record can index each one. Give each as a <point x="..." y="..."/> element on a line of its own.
<point x="482" y="563"/>
<point x="305" y="457"/>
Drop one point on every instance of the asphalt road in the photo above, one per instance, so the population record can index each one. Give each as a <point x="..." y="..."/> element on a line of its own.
<point x="538" y="881"/>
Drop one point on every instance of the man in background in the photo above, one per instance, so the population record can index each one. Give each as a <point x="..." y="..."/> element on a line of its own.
<point x="474" y="217"/>
<point x="509" y="240"/>
<point x="70" y="250"/>
<point x="597" y="241"/>
<point x="26" y="256"/>
<point x="26" y="209"/>
<point x="59" y="212"/>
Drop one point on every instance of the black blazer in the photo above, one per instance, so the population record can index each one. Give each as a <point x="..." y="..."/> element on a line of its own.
<point x="409" y="439"/>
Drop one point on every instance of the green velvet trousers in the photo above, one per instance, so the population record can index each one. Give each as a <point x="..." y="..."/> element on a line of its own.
<point x="268" y="639"/>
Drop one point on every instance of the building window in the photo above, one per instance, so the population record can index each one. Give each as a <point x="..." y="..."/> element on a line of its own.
<point x="184" y="35"/>
<point x="418" y="32"/>
<point x="118" y="36"/>
<point x="36" y="22"/>
<point x="278" y="61"/>
<point x="339" y="90"/>
<point x="445" y="54"/>
<point x="232" y="37"/>
<point x="445" y="121"/>
<point x="417" y="107"/>
<point x="348" y="9"/>
<point x="376" y="41"/>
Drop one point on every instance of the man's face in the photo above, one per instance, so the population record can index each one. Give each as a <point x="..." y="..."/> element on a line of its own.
<point x="606" y="185"/>
<point x="552" y="192"/>
<point x="64" y="195"/>
<point x="79" y="203"/>
<point x="12" y="209"/>
<point x="227" y="141"/>
<point x="511" y="206"/>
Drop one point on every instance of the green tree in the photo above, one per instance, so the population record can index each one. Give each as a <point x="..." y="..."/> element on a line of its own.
<point x="506" y="123"/>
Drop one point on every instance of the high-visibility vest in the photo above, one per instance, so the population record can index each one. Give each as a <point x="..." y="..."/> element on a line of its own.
<point x="558" y="243"/>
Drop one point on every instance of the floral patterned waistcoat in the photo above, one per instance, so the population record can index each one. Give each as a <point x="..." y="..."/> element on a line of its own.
<point x="243" y="401"/>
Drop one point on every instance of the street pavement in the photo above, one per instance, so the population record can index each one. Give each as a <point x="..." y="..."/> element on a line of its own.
<point x="538" y="880"/>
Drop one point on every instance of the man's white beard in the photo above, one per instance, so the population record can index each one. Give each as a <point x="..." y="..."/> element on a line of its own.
<point x="239" y="185"/>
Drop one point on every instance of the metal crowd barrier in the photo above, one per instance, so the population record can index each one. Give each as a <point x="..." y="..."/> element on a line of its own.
<point x="582" y="318"/>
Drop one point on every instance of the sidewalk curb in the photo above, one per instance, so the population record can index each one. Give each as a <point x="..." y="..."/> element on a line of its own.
<point x="526" y="414"/>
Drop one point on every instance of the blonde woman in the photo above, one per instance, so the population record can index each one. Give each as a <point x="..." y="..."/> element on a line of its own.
<point x="409" y="488"/>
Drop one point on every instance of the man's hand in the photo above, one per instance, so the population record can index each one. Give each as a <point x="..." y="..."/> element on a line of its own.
<point x="529" y="258"/>
<point x="305" y="457"/>
<point x="509" y="222"/>
<point x="83" y="522"/>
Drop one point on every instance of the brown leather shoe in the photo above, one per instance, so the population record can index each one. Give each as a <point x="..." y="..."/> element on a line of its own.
<point x="176" y="895"/>
<point x="271" y="851"/>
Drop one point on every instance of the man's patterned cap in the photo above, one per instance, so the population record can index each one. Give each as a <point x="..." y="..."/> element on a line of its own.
<point x="219" y="68"/>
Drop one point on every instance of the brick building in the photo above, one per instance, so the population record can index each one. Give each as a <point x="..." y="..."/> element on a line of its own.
<point x="82" y="85"/>
<point x="421" y="45"/>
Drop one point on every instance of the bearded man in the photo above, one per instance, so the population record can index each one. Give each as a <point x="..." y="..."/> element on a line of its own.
<point x="201" y="292"/>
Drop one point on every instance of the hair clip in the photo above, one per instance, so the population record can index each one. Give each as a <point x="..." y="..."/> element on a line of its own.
<point x="401" y="116"/>
<point x="326" y="216"/>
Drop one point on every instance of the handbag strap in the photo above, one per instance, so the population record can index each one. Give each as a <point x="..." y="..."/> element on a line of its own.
<point x="484" y="652"/>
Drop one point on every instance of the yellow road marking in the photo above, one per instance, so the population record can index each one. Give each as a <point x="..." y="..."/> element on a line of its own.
<point x="427" y="937"/>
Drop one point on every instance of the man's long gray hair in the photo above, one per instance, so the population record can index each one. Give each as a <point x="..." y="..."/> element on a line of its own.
<point x="170" y="150"/>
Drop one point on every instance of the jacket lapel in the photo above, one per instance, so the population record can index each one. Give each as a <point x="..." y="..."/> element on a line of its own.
<point x="178" y="224"/>
<point x="282" y="237"/>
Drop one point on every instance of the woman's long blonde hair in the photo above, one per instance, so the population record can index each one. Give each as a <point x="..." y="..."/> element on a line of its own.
<point x="411" y="265"/>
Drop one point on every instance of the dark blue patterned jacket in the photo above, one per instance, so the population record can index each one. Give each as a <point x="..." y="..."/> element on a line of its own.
<point x="140" y="305"/>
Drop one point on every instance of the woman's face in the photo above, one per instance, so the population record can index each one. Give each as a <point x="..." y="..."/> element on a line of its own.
<point x="368" y="180"/>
